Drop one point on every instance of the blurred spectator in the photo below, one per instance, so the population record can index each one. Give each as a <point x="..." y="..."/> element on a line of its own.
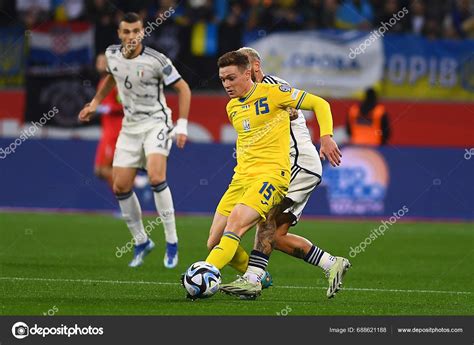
<point x="8" y="14"/>
<point x="432" y="29"/>
<point x="166" y="35"/>
<point x="29" y="5"/>
<point x="198" y="31"/>
<point x="138" y="6"/>
<point x="33" y="12"/>
<point x="417" y="16"/>
<point x="459" y="22"/>
<point x="389" y="9"/>
<point x="354" y="14"/>
<point x="67" y="10"/>
<point x="230" y="30"/>
<point x="287" y="16"/>
<point x="102" y="14"/>
<point x="259" y="15"/>
<point x="319" y="14"/>
<point x="436" y="9"/>
<point x="367" y="123"/>
<point x="312" y="11"/>
<point x="329" y="13"/>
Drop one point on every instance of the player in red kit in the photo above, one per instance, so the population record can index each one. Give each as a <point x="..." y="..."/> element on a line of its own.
<point x="111" y="114"/>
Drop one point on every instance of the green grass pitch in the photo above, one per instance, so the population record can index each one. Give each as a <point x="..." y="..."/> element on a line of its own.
<point x="67" y="265"/>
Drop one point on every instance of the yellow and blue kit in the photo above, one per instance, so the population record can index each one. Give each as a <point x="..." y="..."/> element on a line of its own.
<point x="262" y="174"/>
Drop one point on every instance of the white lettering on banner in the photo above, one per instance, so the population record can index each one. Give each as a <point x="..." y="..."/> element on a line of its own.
<point x="403" y="69"/>
<point x="321" y="65"/>
<point x="418" y="68"/>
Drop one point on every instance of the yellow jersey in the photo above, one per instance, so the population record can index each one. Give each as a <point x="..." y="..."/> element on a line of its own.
<point x="263" y="129"/>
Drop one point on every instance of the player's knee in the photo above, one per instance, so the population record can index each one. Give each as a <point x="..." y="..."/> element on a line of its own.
<point x="211" y="243"/>
<point x="156" y="179"/>
<point x="237" y="226"/>
<point x="120" y="189"/>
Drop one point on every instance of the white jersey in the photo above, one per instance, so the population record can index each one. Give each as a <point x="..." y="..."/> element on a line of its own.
<point x="303" y="154"/>
<point x="140" y="82"/>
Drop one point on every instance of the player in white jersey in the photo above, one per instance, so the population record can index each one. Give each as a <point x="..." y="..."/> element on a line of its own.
<point x="306" y="171"/>
<point x="140" y="74"/>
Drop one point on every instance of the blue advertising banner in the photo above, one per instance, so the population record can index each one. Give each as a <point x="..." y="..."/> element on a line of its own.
<point x="419" y="68"/>
<point x="420" y="183"/>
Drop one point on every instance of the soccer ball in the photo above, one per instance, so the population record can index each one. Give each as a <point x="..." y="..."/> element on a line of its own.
<point x="201" y="280"/>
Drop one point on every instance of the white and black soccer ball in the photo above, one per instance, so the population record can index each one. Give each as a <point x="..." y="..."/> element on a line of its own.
<point x="202" y="280"/>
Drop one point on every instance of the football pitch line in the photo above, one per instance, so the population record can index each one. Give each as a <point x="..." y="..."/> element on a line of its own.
<point x="88" y="281"/>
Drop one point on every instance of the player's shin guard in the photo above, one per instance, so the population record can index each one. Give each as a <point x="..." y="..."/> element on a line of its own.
<point x="240" y="260"/>
<point x="165" y="208"/>
<point x="132" y="214"/>
<point x="223" y="253"/>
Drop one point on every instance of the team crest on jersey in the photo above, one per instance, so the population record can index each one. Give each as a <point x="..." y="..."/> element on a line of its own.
<point x="285" y="88"/>
<point x="246" y="106"/>
<point x="140" y="71"/>
<point x="167" y="70"/>
<point x="246" y="125"/>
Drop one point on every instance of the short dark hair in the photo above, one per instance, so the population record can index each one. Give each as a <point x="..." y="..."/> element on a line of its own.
<point x="131" y="17"/>
<point x="234" y="58"/>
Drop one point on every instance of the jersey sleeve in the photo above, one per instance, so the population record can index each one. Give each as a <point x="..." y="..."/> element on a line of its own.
<point x="322" y="110"/>
<point x="107" y="69"/>
<point x="107" y="54"/>
<point x="169" y="73"/>
<point x="284" y="96"/>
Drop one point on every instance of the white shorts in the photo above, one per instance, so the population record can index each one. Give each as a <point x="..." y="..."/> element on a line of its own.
<point x="302" y="184"/>
<point x="132" y="149"/>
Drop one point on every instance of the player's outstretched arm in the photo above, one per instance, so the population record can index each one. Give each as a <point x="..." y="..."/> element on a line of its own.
<point x="90" y="108"/>
<point x="184" y="101"/>
<point x="322" y="110"/>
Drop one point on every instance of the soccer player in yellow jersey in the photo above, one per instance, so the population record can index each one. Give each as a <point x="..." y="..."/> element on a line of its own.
<point x="262" y="175"/>
<point x="306" y="173"/>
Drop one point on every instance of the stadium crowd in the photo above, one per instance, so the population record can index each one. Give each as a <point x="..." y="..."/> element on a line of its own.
<point x="198" y="31"/>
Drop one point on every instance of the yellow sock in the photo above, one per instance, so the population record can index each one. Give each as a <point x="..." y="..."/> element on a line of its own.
<point x="240" y="261"/>
<point x="221" y="254"/>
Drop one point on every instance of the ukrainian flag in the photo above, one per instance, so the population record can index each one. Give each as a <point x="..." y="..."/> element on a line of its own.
<point x="204" y="39"/>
